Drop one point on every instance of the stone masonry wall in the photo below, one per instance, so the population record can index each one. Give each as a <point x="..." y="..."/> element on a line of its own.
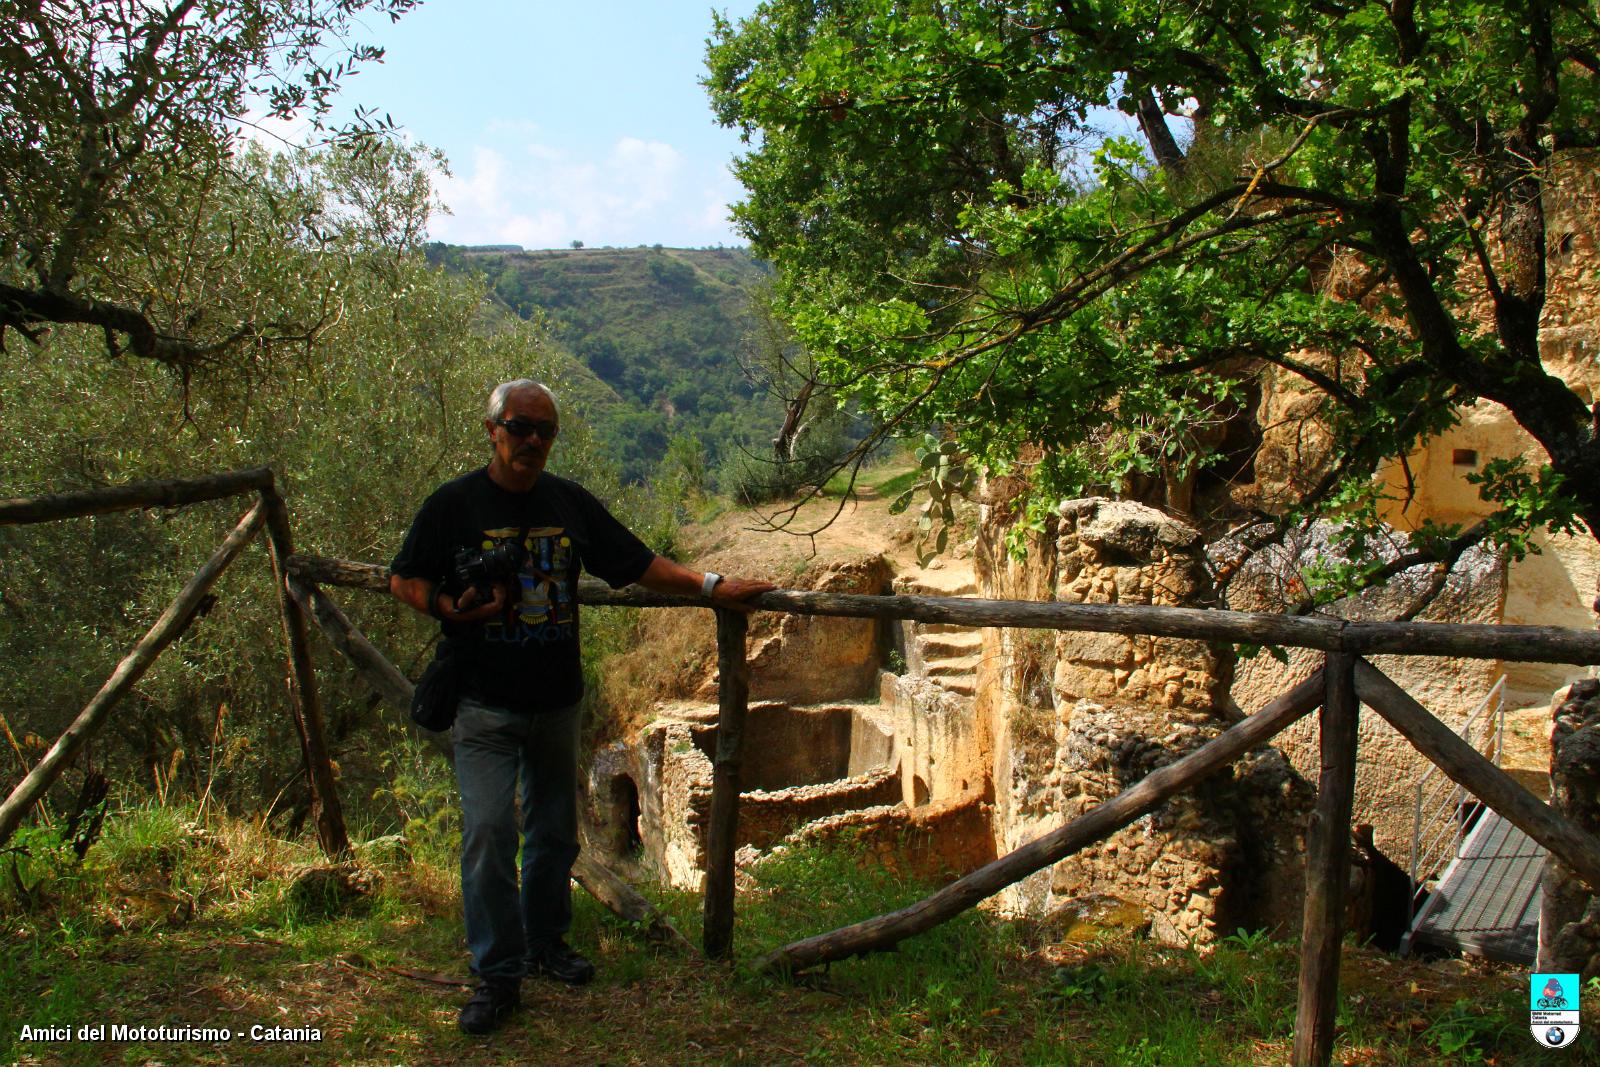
<point x="1078" y="718"/>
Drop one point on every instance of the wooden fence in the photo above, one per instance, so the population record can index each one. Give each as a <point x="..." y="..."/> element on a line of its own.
<point x="304" y="704"/>
<point x="1337" y="690"/>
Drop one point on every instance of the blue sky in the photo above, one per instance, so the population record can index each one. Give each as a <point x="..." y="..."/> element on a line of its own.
<point x="562" y="121"/>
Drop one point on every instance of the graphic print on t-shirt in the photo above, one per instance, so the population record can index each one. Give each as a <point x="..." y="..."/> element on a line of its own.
<point x="544" y="613"/>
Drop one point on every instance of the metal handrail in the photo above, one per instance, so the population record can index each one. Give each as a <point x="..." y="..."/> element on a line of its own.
<point x="1437" y="825"/>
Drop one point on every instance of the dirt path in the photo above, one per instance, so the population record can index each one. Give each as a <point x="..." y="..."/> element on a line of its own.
<point x="776" y="544"/>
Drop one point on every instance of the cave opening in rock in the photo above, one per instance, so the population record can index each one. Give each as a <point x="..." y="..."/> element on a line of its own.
<point x="629" y="839"/>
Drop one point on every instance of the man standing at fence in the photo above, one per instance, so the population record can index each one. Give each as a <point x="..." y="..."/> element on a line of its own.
<point x="522" y="680"/>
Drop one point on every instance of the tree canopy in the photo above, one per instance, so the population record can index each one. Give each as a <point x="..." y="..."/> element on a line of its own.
<point x="1359" y="206"/>
<point x="119" y="130"/>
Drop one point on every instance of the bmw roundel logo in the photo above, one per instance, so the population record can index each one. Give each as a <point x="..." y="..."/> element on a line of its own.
<point x="1555" y="1035"/>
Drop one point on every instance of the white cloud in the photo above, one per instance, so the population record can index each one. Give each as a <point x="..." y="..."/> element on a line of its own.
<point x="529" y="192"/>
<point x="716" y="199"/>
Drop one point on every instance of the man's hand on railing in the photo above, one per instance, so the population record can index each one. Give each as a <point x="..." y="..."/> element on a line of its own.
<point x="734" y="593"/>
<point x="666" y="576"/>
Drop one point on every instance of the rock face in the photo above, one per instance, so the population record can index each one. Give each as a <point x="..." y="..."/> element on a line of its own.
<point x="943" y="755"/>
<point x="808" y="658"/>
<point x="1569" y="918"/>
<point x="1077" y="718"/>
<point x="1388" y="767"/>
<point x="797" y="659"/>
<point x="1556" y="584"/>
<point x="831" y="735"/>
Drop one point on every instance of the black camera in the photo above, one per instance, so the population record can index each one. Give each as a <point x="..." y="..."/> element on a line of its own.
<point x="481" y="569"/>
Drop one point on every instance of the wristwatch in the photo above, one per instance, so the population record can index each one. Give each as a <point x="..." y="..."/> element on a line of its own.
<point x="709" y="582"/>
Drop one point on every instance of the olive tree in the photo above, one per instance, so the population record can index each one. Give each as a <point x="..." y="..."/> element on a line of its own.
<point x="120" y="124"/>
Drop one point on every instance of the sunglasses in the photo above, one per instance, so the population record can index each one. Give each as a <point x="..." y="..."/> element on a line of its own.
<point x="525" y="427"/>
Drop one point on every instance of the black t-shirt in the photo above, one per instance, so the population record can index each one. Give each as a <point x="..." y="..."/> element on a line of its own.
<point x="528" y="660"/>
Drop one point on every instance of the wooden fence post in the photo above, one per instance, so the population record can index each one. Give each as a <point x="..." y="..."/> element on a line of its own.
<point x="173" y="621"/>
<point x="303" y="699"/>
<point x="1327" y="867"/>
<point x="733" y="693"/>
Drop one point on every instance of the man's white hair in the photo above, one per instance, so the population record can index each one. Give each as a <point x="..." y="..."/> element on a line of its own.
<point x="497" y="399"/>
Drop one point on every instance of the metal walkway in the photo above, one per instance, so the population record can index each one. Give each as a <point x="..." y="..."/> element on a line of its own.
<point x="1487" y="900"/>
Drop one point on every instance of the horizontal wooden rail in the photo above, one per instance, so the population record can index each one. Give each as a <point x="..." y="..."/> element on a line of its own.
<point x="1543" y="644"/>
<point x="164" y="493"/>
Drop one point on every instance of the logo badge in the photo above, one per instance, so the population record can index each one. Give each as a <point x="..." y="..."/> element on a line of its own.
<point x="1553" y="1009"/>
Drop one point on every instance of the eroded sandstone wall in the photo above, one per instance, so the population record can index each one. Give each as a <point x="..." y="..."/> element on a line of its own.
<point x="809" y="658"/>
<point x="940" y="747"/>
<point x="1557" y="584"/>
<point x="1554" y="586"/>
<point x="1388" y="768"/>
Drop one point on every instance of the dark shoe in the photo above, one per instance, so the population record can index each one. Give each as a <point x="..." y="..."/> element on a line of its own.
<point x="491" y="1003"/>
<point x="555" y="959"/>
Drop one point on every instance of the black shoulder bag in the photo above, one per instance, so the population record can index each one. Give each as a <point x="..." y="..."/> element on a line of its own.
<point x="438" y="691"/>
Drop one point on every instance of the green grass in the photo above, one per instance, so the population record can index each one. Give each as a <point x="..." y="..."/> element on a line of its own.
<point x="887" y="476"/>
<point x="890" y="488"/>
<point x="114" y="941"/>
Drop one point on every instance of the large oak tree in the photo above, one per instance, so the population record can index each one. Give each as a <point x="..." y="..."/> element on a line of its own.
<point x="1361" y="206"/>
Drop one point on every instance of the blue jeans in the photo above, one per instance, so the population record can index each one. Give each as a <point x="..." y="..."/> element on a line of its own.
<point x="492" y="746"/>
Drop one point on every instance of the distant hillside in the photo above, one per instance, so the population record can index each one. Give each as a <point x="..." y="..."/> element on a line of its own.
<point x="663" y="327"/>
<point x="581" y="388"/>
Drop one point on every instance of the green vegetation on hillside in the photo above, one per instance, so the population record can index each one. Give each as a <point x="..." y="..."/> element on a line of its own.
<point x="667" y="329"/>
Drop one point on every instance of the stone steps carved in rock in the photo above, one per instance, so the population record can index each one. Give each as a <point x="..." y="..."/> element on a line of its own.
<point x="964" y="641"/>
<point x="953" y="579"/>
<point x="947" y="653"/>
<point x="952" y="666"/>
<point x="944" y="628"/>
